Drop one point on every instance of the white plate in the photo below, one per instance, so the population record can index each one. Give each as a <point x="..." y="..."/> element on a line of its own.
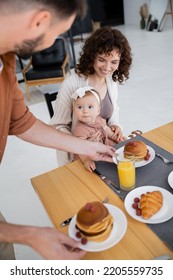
<point x="138" y="163"/>
<point x="170" y="179"/>
<point x="117" y="233"/>
<point x="164" y="214"/>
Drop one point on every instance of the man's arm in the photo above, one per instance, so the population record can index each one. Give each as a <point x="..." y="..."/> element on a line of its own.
<point x="44" y="135"/>
<point x="48" y="242"/>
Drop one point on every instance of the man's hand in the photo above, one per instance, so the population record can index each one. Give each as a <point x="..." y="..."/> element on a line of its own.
<point x="51" y="244"/>
<point x="101" y="152"/>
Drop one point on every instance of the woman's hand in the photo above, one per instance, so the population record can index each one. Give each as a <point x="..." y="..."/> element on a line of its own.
<point x="117" y="136"/>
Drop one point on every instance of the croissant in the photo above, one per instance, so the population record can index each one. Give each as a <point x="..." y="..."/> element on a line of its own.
<point x="150" y="203"/>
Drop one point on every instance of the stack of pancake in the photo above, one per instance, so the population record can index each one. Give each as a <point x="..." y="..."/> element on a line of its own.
<point x="94" y="221"/>
<point x="136" y="148"/>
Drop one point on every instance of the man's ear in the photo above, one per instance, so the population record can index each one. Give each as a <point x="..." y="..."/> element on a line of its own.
<point x="40" y="21"/>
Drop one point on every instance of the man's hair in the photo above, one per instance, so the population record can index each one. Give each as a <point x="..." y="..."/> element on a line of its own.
<point x="63" y="8"/>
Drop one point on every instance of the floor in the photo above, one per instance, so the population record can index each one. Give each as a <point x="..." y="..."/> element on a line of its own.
<point x="145" y="101"/>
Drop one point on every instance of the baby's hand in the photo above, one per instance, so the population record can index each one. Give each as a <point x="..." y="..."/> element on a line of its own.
<point x="90" y="165"/>
<point x="95" y="137"/>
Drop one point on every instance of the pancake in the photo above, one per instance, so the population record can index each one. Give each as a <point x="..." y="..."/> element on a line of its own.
<point x="136" y="148"/>
<point x="94" y="221"/>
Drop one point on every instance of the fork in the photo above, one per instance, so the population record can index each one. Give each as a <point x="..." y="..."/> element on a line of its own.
<point x="105" y="200"/>
<point x="165" y="160"/>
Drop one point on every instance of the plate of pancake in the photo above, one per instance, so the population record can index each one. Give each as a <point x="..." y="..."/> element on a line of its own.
<point x="170" y="179"/>
<point x="143" y="154"/>
<point x="149" y="204"/>
<point x="100" y="225"/>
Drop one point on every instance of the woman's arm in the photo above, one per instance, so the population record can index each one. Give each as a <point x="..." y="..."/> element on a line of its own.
<point x="113" y="93"/>
<point x="113" y="121"/>
<point x="109" y="132"/>
<point x="117" y="133"/>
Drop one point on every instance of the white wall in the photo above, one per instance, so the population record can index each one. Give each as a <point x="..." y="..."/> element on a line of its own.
<point x="132" y="16"/>
<point x="131" y="11"/>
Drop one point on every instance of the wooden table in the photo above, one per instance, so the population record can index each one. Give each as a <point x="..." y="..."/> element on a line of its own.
<point x="65" y="190"/>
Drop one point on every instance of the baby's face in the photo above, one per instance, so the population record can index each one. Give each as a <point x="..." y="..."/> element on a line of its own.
<point x="86" y="109"/>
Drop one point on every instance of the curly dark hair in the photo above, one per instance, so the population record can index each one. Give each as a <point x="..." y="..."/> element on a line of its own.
<point x="103" y="41"/>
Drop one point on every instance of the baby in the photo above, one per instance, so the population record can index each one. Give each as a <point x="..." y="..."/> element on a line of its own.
<point x="89" y="125"/>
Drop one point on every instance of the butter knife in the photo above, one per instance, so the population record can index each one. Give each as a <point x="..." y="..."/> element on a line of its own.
<point x="108" y="182"/>
<point x="163" y="257"/>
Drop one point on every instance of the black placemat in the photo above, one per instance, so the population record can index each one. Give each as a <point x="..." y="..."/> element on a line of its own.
<point x="154" y="174"/>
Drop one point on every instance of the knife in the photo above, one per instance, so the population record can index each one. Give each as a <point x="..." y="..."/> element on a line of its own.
<point x="108" y="182"/>
<point x="163" y="257"/>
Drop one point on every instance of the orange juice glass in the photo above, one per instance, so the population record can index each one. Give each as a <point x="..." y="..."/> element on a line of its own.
<point x="126" y="172"/>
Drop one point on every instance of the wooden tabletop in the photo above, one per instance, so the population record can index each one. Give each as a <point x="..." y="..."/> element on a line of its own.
<point x="63" y="191"/>
<point x="162" y="136"/>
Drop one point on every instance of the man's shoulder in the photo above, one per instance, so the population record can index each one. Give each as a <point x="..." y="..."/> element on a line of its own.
<point x="8" y="59"/>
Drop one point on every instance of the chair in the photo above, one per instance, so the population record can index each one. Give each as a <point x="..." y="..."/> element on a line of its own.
<point x="81" y="26"/>
<point x="50" y="97"/>
<point x="47" y="67"/>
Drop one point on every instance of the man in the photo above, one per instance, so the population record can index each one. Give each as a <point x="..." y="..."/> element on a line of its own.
<point x="25" y="27"/>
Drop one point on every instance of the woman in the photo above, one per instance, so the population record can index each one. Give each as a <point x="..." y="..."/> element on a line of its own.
<point x="105" y="60"/>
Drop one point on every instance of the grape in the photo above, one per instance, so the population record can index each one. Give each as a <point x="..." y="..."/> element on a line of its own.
<point x="135" y="205"/>
<point x="88" y="206"/>
<point x="84" y="240"/>
<point x="147" y="156"/>
<point x="136" y="199"/>
<point x="93" y="208"/>
<point x="78" y="234"/>
<point x="138" y="212"/>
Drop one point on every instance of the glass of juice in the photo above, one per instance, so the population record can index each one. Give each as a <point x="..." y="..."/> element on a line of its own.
<point x="126" y="171"/>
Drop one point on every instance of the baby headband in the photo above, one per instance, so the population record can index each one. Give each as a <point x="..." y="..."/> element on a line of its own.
<point x="80" y="92"/>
